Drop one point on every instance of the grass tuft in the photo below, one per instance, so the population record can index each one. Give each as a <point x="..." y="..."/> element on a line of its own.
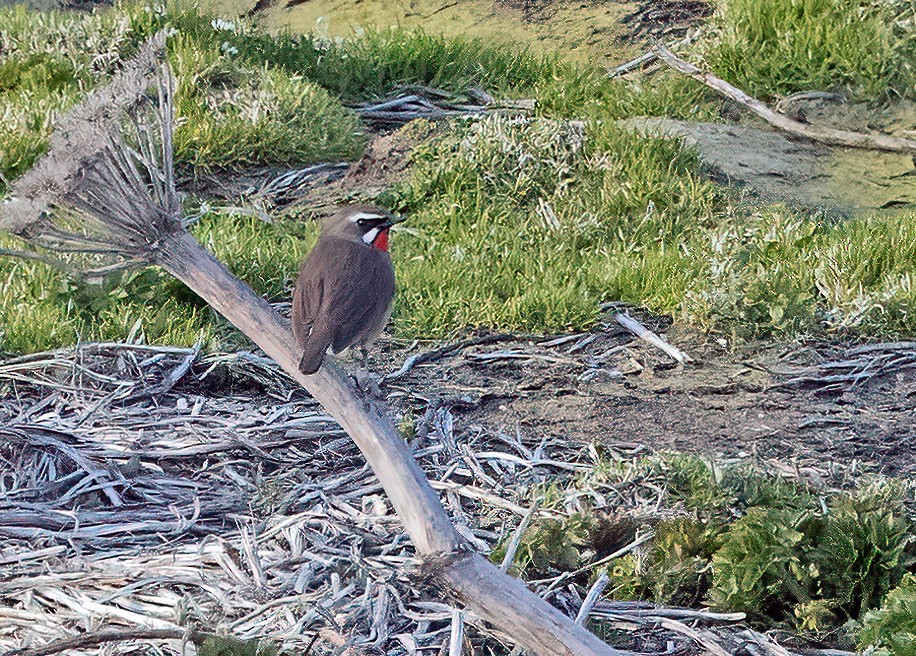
<point x="523" y="224"/>
<point x="777" y="47"/>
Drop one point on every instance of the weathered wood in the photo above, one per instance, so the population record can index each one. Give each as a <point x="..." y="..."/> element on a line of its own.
<point x="647" y="335"/>
<point x="497" y="598"/>
<point x="89" y="640"/>
<point x="509" y="605"/>
<point x="820" y="134"/>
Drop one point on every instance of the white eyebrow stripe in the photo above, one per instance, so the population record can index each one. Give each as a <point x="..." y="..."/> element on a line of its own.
<point x="366" y="215"/>
<point x="370" y="236"/>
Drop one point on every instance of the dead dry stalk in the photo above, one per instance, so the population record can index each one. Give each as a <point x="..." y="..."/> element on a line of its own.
<point x="827" y="136"/>
<point x="104" y="198"/>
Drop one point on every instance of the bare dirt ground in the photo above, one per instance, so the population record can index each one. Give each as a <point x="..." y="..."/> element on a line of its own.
<point x="761" y="402"/>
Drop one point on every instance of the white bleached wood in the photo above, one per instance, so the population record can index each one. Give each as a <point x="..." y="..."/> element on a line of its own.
<point x="647" y="335"/>
<point x="823" y="135"/>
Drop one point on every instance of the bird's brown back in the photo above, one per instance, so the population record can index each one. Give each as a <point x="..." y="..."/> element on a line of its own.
<point x="343" y="294"/>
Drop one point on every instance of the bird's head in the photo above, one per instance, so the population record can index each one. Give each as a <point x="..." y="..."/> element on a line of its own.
<point x="368" y="224"/>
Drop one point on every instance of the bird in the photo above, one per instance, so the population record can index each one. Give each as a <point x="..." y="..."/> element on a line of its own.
<point x="345" y="286"/>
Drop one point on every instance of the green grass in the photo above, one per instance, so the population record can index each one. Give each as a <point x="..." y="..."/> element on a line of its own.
<point x="233" y="109"/>
<point x="524" y="225"/>
<point x="41" y="308"/>
<point x="634" y="221"/>
<point x="777" y="47"/>
<point x="629" y="218"/>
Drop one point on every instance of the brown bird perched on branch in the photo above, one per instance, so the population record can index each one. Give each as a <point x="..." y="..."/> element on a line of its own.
<point x="345" y="286"/>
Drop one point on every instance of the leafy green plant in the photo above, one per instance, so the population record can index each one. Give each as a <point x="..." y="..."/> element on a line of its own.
<point x="892" y="628"/>
<point x="751" y="487"/>
<point x="861" y="548"/>
<point x="693" y="480"/>
<point x="759" y="568"/>
<point x="226" y="646"/>
<point x="677" y="569"/>
<point x="552" y="544"/>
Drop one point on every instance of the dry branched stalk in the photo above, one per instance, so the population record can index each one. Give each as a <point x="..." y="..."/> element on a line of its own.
<point x="112" y="200"/>
<point x="823" y="135"/>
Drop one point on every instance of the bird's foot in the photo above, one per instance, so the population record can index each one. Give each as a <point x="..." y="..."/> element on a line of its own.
<point x="367" y="384"/>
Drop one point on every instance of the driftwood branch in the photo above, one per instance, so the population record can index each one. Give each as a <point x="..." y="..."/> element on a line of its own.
<point x="647" y="335"/>
<point x="823" y="135"/>
<point x="121" y="191"/>
<point x="495" y="597"/>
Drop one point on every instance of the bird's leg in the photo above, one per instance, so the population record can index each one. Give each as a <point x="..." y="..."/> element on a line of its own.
<point x="365" y="381"/>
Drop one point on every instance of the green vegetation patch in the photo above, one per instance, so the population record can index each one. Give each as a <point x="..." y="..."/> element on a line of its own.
<point x="42" y="308"/>
<point x="739" y="539"/>
<point x="892" y="628"/>
<point x="778" y="47"/>
<point x="530" y="224"/>
<point x="516" y="223"/>
<point x="233" y="109"/>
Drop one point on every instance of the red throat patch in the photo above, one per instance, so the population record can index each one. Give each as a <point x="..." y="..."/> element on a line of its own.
<point x="381" y="240"/>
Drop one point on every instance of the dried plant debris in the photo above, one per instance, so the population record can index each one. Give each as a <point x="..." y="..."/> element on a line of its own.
<point x="156" y="488"/>
<point x="660" y="19"/>
<point x="420" y="102"/>
<point x="838" y="369"/>
<point x="104" y="194"/>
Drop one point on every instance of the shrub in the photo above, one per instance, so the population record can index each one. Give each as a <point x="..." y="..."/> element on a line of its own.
<point x="759" y="569"/>
<point x="677" y="570"/>
<point x="861" y="549"/>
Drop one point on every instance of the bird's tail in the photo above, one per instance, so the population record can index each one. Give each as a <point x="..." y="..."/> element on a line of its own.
<point x="314" y="347"/>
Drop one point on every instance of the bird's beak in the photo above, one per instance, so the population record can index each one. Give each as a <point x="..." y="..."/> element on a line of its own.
<point x="395" y="220"/>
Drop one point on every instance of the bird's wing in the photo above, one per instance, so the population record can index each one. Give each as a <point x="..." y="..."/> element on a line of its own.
<point x="360" y="296"/>
<point x="308" y="296"/>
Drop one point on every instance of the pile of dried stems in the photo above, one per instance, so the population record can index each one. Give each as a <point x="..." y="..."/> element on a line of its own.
<point x="142" y="500"/>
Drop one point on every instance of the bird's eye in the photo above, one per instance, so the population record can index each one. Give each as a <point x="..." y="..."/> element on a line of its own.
<point x="362" y="223"/>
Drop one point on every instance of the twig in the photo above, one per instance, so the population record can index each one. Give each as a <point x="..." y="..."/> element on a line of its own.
<point x="456" y="635"/>
<point x="516" y="540"/>
<point x="626" y="67"/>
<point x="447" y="350"/>
<point x="833" y="96"/>
<point x="594" y="593"/>
<point x="621" y="609"/>
<point x="823" y="135"/>
<point x="768" y="645"/>
<point x="103" y="637"/>
<point x="647" y="335"/>
<point x="701" y="637"/>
